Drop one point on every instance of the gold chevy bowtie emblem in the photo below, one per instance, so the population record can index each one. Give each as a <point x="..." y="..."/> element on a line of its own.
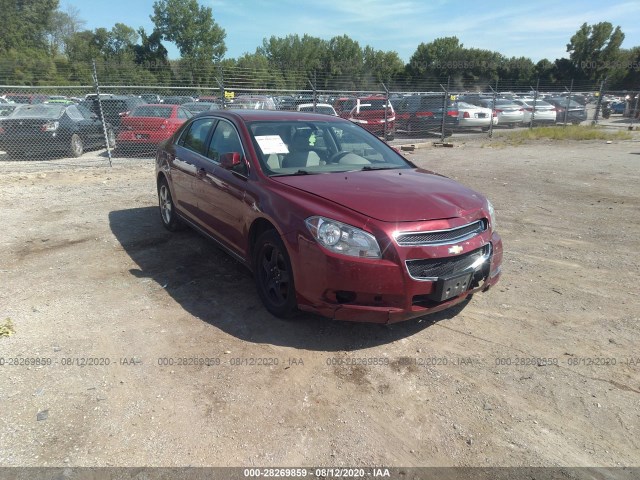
<point x="456" y="249"/>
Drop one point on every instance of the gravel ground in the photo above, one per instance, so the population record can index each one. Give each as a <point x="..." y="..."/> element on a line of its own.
<point x="543" y="370"/>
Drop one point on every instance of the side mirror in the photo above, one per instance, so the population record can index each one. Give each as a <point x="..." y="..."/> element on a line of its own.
<point x="230" y="160"/>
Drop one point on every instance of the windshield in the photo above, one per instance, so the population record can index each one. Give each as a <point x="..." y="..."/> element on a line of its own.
<point x="370" y="105"/>
<point x="308" y="147"/>
<point x="560" y="101"/>
<point x="39" y="111"/>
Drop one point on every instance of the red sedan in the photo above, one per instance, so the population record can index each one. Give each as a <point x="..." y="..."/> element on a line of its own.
<point x="148" y="125"/>
<point x="329" y="218"/>
<point x="376" y="115"/>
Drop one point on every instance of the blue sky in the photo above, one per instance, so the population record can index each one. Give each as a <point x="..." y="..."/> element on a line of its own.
<point x="539" y="29"/>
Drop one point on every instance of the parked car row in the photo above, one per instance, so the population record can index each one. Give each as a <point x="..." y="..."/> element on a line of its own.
<point x="141" y="122"/>
<point x="513" y="110"/>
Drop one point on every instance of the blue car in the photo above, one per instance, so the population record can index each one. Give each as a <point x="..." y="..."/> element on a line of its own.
<point x="618" y="107"/>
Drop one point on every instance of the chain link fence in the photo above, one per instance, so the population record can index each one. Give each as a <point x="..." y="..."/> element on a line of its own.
<point x="114" y="117"/>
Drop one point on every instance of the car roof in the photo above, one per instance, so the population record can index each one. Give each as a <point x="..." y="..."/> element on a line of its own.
<point x="317" y="105"/>
<point x="270" y="115"/>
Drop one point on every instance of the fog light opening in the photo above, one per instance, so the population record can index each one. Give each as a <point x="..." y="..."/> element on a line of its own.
<point x="345" y="296"/>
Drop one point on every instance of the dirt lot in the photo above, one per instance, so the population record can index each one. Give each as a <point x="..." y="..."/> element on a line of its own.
<point x="89" y="273"/>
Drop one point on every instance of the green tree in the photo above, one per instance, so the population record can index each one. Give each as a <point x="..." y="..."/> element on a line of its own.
<point x="25" y="23"/>
<point x="344" y="58"/>
<point x="381" y="67"/>
<point x="517" y="72"/>
<point x="196" y="34"/>
<point x="446" y="58"/>
<point x="630" y="65"/>
<point x="122" y="41"/>
<point x="545" y="71"/>
<point x="254" y="71"/>
<point x="62" y="26"/>
<point x="435" y="59"/>
<point x="295" y="57"/>
<point x="153" y="57"/>
<point x="191" y="27"/>
<point x="594" y="50"/>
<point x="24" y="50"/>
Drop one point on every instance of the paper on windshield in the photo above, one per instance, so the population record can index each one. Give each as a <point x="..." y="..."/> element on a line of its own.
<point x="271" y="144"/>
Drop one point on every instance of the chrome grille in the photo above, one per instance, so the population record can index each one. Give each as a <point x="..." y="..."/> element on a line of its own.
<point x="441" y="237"/>
<point x="433" y="268"/>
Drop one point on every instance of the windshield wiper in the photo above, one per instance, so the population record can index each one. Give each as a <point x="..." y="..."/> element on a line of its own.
<point x="299" y="172"/>
<point x="369" y="167"/>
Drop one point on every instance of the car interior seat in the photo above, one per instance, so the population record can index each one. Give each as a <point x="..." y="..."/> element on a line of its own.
<point x="301" y="152"/>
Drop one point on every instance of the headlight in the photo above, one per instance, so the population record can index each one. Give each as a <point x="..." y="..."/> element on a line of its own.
<point x="492" y="215"/>
<point x="342" y="238"/>
<point x="50" y="127"/>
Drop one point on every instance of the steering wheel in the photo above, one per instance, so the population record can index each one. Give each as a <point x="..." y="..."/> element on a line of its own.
<point x="335" y="158"/>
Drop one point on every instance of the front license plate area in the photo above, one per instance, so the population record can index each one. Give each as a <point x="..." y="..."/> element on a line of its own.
<point x="450" y="287"/>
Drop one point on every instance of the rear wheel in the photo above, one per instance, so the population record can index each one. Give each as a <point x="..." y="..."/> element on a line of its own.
<point x="168" y="214"/>
<point x="111" y="138"/>
<point x="274" y="275"/>
<point x="76" y="147"/>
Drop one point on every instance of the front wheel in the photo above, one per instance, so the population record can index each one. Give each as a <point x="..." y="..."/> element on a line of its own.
<point x="76" y="146"/>
<point x="168" y="214"/>
<point x="274" y="275"/>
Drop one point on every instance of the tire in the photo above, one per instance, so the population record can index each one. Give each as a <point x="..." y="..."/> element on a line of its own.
<point x="168" y="215"/>
<point x="274" y="275"/>
<point x="111" y="139"/>
<point x="391" y="136"/>
<point x="76" y="147"/>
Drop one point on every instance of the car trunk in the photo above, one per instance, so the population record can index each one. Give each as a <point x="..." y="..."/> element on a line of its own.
<point x="25" y="125"/>
<point x="145" y="124"/>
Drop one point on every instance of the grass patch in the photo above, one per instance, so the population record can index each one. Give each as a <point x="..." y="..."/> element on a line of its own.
<point x="6" y="328"/>
<point x="570" y="132"/>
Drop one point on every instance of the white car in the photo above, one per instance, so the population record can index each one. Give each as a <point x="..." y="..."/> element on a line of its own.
<point x="544" y="111"/>
<point x="472" y="116"/>
<point x="509" y="114"/>
<point x="320" y="108"/>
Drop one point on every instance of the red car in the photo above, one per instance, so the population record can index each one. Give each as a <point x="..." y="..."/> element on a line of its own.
<point x="148" y="125"/>
<point x="343" y="106"/>
<point x="370" y="114"/>
<point x="329" y="218"/>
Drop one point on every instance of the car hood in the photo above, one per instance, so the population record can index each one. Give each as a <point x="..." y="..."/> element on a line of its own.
<point x="399" y="195"/>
